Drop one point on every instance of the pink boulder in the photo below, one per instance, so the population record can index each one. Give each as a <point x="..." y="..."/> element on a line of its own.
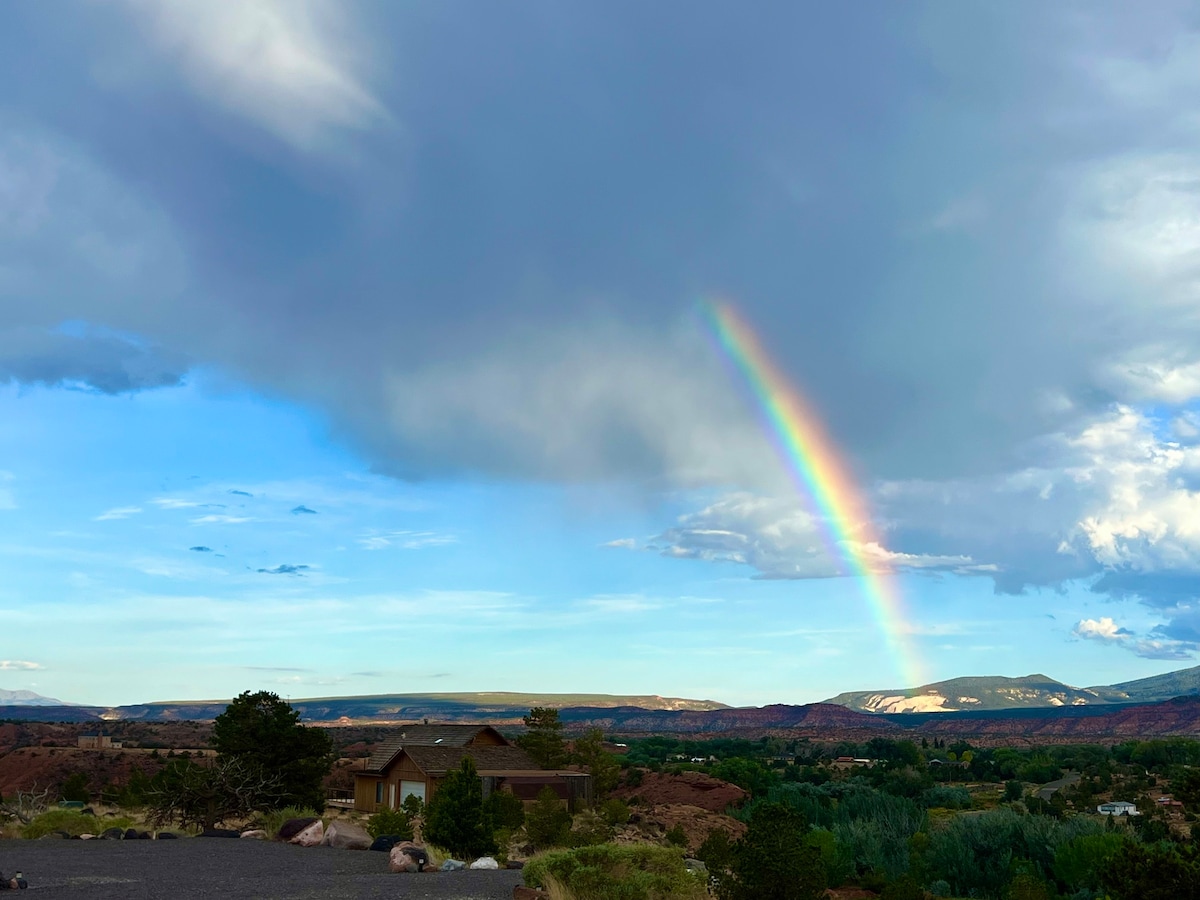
<point x="310" y="836"/>
<point x="399" y="861"/>
<point x="343" y="835"/>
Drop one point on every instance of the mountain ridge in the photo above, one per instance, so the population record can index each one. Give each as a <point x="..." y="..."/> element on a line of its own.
<point x="1000" y="692"/>
<point x="28" y="698"/>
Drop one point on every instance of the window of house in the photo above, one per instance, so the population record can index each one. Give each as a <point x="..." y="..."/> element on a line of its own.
<point x="379" y="792"/>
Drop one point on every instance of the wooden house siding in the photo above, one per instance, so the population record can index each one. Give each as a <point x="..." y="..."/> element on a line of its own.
<point x="426" y="755"/>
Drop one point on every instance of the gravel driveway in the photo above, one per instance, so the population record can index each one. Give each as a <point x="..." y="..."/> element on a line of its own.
<point x="218" y="867"/>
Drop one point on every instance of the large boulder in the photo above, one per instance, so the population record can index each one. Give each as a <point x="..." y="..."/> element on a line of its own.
<point x="343" y="835"/>
<point x="255" y="834"/>
<point x="399" y="861"/>
<point x="113" y="834"/>
<point x="453" y="865"/>
<point x="485" y="862"/>
<point x="414" y="851"/>
<point x="310" y="836"/>
<point x="219" y="833"/>
<point x="293" y="827"/>
<point x="167" y="836"/>
<point x="385" y="842"/>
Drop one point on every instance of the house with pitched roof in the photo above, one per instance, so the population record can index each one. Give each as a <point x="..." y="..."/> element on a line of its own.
<point x="417" y="758"/>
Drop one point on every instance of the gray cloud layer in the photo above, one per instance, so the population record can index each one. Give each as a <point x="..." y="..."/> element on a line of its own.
<point x="969" y="233"/>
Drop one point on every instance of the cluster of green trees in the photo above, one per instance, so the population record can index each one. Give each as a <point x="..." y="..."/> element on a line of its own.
<point x="266" y="760"/>
<point x="804" y="838"/>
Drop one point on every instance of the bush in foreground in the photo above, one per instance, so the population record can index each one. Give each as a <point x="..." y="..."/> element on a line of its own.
<point x="611" y="872"/>
<point x="390" y="821"/>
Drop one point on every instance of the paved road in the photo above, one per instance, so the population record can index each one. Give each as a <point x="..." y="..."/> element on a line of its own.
<point x="220" y="867"/>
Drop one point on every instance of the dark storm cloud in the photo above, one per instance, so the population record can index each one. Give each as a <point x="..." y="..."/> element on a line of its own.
<point x="89" y="360"/>
<point x="946" y="222"/>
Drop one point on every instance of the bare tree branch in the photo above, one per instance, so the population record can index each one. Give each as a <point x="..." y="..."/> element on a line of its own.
<point x="24" y="806"/>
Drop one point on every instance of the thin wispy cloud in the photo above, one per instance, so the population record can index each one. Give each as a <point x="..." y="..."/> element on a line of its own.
<point x="220" y="519"/>
<point x="405" y="540"/>
<point x="19" y="665"/>
<point x="120" y="512"/>
<point x="174" y="503"/>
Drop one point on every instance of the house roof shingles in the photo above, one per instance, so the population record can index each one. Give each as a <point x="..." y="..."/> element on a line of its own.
<point x="437" y="761"/>
<point x="438" y="736"/>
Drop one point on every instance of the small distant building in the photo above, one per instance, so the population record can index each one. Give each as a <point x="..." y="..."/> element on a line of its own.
<point x="417" y="758"/>
<point x="852" y="762"/>
<point x="98" y="742"/>
<point x="1118" y="808"/>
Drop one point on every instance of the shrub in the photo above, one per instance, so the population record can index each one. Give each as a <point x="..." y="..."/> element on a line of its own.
<point x="272" y="821"/>
<point x="588" y="830"/>
<point x="547" y="822"/>
<point x="75" y="788"/>
<point x="716" y="853"/>
<point x="504" y="810"/>
<point x="676" y="836"/>
<point x="72" y="822"/>
<point x="413" y="805"/>
<point x="610" y="872"/>
<point x="390" y="821"/>
<point x="904" y="888"/>
<point x="614" y="812"/>
<point x="942" y="797"/>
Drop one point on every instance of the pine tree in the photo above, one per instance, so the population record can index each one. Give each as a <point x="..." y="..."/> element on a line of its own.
<point x="454" y="818"/>
<point x="543" y="739"/>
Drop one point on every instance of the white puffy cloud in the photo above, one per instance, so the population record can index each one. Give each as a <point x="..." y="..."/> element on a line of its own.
<point x="779" y="538"/>
<point x="19" y="665"/>
<point x="1102" y="629"/>
<point x="1106" y="630"/>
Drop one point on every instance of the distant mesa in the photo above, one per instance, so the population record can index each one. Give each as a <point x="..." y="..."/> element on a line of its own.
<point x="989" y="693"/>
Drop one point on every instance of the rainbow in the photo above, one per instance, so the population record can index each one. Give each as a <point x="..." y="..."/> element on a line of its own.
<point x="816" y="467"/>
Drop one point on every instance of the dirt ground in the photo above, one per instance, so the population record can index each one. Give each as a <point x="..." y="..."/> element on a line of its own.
<point x="218" y="867"/>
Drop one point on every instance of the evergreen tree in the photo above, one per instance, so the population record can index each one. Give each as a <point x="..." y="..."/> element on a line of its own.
<point x="543" y="738"/>
<point x="454" y="818"/>
<point x="547" y="822"/>
<point x="773" y="861"/>
<point x="605" y="771"/>
<point x="264" y="732"/>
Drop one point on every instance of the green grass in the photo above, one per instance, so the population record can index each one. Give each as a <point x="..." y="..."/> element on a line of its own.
<point x="272" y="821"/>
<point x="612" y="872"/>
<point x="72" y="822"/>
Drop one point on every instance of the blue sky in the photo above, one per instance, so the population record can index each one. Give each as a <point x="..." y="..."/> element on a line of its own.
<point x="352" y="347"/>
